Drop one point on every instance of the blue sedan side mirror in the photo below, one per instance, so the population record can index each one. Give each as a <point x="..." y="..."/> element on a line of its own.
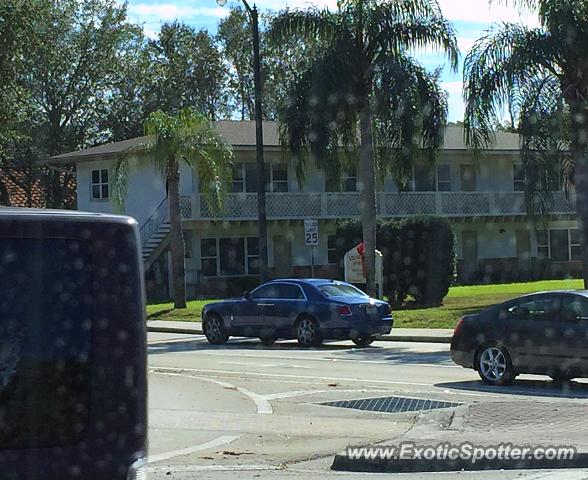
<point x="246" y="294"/>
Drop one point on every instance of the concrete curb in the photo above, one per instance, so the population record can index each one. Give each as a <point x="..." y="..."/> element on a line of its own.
<point x="411" y="465"/>
<point x="384" y="338"/>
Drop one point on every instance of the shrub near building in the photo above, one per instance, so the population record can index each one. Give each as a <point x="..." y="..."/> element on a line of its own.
<point x="418" y="255"/>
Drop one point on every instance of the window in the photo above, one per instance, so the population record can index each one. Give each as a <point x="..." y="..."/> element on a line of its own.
<point x="332" y="249"/>
<point x="265" y="291"/>
<point x="232" y="260"/>
<point x="560" y="245"/>
<point x="45" y="342"/>
<point x="349" y="181"/>
<point x="468" y="178"/>
<point x="575" y="250"/>
<point x="444" y="178"/>
<point x="574" y="307"/>
<point x="340" y="290"/>
<point x="238" y="182"/>
<point x="536" y="308"/>
<point x="518" y="175"/>
<point x="208" y="257"/>
<point x="289" y="291"/>
<point x="424" y="177"/>
<point x="252" y="256"/>
<point x="279" y="178"/>
<point x="100" y="184"/>
<point x="543" y="243"/>
<point x="240" y="256"/>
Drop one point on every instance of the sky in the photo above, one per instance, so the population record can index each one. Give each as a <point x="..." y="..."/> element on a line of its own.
<point x="469" y="17"/>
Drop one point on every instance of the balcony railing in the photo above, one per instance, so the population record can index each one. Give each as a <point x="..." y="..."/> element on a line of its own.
<point x="243" y="206"/>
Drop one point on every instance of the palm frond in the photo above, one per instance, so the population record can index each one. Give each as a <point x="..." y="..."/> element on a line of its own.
<point x="319" y="119"/>
<point x="120" y="184"/>
<point x="496" y="65"/>
<point x="394" y="31"/>
<point x="545" y="143"/>
<point x="310" y="24"/>
<point x="410" y="114"/>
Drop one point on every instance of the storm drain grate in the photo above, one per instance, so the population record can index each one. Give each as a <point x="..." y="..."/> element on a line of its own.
<point x="392" y="404"/>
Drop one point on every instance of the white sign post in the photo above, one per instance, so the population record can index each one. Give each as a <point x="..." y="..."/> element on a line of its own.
<point x="354" y="269"/>
<point x="311" y="239"/>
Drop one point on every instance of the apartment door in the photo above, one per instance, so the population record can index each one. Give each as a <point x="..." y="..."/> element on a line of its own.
<point x="282" y="256"/>
<point x="469" y="247"/>
<point x="468" y="178"/>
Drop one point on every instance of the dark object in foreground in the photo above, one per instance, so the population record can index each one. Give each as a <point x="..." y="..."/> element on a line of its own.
<point x="72" y="347"/>
<point x="543" y="333"/>
<point x="309" y="310"/>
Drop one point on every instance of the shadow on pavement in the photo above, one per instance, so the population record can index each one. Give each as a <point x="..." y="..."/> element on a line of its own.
<point x="170" y="346"/>
<point x="400" y="355"/>
<point x="538" y="388"/>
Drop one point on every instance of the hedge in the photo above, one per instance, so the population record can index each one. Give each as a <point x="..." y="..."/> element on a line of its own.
<point x="418" y="254"/>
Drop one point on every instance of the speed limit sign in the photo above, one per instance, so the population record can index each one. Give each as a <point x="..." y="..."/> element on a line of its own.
<point x="311" y="232"/>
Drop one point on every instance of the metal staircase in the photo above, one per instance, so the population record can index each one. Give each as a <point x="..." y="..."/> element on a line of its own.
<point x="155" y="233"/>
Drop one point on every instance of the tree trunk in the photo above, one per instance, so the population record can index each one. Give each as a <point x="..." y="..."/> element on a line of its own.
<point x="176" y="243"/>
<point x="579" y="147"/>
<point x="368" y="196"/>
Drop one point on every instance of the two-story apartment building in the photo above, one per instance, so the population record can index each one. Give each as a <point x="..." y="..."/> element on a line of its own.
<point x="484" y="200"/>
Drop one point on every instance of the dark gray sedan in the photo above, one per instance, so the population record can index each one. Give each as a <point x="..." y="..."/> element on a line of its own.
<point x="543" y="333"/>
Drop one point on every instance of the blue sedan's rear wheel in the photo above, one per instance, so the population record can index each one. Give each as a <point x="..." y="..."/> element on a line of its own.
<point x="214" y="330"/>
<point x="307" y="332"/>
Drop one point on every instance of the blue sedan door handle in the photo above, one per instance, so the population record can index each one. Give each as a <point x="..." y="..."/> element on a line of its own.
<point x="266" y="304"/>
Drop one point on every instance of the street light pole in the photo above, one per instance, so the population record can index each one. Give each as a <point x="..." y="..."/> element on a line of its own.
<point x="260" y="165"/>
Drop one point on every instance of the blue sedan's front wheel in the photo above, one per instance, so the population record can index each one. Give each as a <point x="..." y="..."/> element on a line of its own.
<point x="214" y="330"/>
<point x="308" y="333"/>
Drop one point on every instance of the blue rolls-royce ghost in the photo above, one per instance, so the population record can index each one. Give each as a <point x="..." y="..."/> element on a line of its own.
<point x="309" y="310"/>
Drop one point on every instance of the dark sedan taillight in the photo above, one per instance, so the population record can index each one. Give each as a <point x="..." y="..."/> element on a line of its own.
<point x="458" y="326"/>
<point x="343" y="310"/>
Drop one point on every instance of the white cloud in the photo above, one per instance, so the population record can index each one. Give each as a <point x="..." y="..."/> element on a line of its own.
<point x="484" y="11"/>
<point x="169" y="11"/>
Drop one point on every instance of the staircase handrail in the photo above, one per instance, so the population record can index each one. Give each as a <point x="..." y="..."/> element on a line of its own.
<point x="152" y="224"/>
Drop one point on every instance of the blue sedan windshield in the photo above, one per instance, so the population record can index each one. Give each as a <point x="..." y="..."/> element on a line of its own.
<point x="340" y="290"/>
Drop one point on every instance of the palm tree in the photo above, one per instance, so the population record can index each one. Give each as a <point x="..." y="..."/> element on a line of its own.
<point x="366" y="82"/>
<point x="190" y="137"/>
<point x="541" y="74"/>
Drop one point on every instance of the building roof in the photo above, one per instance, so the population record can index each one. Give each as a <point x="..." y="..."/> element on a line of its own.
<point x="241" y="135"/>
<point x="23" y="190"/>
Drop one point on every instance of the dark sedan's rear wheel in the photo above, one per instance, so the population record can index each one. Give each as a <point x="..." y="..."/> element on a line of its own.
<point x="494" y="365"/>
<point x="307" y="332"/>
<point x="268" y="341"/>
<point x="214" y="330"/>
<point x="364" y="341"/>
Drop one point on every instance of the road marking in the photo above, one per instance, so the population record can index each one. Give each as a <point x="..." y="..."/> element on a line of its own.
<point x="267" y="365"/>
<point x="283" y="375"/>
<point x="262" y="405"/>
<point x="215" y="468"/>
<point x="217" y="442"/>
<point x="295" y="393"/>
<point x="317" y="359"/>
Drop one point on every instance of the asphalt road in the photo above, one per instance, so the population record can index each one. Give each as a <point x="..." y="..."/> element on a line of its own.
<point x="243" y="410"/>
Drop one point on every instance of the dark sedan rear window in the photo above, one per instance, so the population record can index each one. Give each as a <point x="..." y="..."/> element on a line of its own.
<point x="45" y="340"/>
<point x="339" y="290"/>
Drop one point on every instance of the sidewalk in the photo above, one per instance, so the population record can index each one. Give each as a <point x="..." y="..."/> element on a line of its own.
<point x="519" y="423"/>
<point x="426" y="335"/>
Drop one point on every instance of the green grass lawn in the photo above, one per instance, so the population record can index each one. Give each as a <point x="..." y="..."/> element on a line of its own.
<point x="459" y="301"/>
